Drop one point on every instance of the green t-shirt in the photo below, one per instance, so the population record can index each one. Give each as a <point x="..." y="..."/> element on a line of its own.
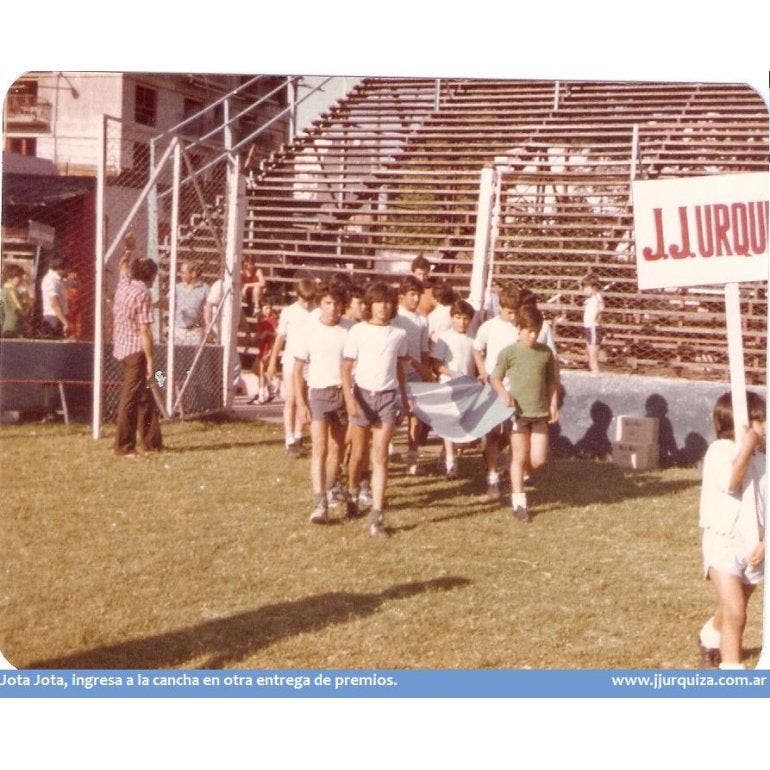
<point x="531" y="375"/>
<point x="13" y="320"/>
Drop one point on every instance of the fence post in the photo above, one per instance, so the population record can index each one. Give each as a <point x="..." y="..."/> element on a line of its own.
<point x="152" y="238"/>
<point x="291" y="101"/>
<point x="170" y="381"/>
<point x="556" y="96"/>
<point x="96" y="400"/>
<point x="437" y="94"/>
<point x="483" y="237"/>
<point x="231" y="310"/>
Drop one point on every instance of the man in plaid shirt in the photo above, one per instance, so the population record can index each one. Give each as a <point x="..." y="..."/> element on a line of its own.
<point x="132" y="346"/>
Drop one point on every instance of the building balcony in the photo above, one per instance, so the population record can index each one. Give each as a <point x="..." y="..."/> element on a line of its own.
<point x="25" y="113"/>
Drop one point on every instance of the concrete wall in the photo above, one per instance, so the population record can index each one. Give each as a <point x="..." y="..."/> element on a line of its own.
<point x="592" y="403"/>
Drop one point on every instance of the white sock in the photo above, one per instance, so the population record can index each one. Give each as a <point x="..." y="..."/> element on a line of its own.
<point x="732" y="666"/>
<point x="493" y="477"/>
<point x="450" y="463"/>
<point x="519" y="499"/>
<point x="297" y="437"/>
<point x="709" y="636"/>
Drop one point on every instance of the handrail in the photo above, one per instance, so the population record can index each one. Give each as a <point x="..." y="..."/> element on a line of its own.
<point x="250" y="137"/>
<point x="207" y="108"/>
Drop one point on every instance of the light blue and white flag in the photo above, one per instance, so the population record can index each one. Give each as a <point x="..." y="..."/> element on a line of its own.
<point x="461" y="409"/>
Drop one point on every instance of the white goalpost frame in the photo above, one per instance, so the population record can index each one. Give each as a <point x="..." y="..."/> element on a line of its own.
<point x="173" y="251"/>
<point x="98" y="376"/>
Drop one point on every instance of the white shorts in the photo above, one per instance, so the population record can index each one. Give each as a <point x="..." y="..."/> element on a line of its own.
<point x="731" y="556"/>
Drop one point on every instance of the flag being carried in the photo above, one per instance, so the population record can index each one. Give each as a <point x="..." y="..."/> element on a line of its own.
<point x="461" y="409"/>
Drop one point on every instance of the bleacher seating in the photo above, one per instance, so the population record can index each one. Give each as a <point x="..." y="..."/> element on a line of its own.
<point x="392" y="171"/>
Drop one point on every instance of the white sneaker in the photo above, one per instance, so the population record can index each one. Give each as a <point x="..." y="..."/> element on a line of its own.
<point x="451" y="471"/>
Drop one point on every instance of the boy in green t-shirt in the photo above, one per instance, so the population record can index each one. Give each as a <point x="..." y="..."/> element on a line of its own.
<point x="533" y="384"/>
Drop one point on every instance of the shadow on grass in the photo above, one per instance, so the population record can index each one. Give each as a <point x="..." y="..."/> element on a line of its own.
<point x="228" y="640"/>
<point x="568" y="482"/>
<point x="184" y="449"/>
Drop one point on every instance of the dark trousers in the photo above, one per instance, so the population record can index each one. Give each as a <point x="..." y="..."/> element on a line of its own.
<point x="136" y="408"/>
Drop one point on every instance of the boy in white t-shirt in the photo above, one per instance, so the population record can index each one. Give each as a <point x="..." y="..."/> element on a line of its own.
<point x="440" y="318"/>
<point x="374" y="396"/>
<point x="592" y="310"/>
<point x="452" y="355"/>
<point x="418" y="367"/>
<point x="732" y="516"/>
<point x="289" y="333"/>
<point x="320" y="351"/>
<point x="492" y="338"/>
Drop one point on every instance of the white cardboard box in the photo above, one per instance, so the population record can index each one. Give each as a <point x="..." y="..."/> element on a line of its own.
<point x="638" y="457"/>
<point x="637" y="430"/>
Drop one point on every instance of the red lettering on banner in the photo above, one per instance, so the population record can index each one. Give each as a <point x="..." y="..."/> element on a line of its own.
<point x="740" y="229"/>
<point x="758" y="226"/>
<point x="680" y="252"/>
<point x="660" y="250"/>
<point x="704" y="249"/>
<point x="721" y="228"/>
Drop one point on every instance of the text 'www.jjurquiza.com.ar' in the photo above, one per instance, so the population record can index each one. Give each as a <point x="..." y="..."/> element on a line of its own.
<point x="660" y="681"/>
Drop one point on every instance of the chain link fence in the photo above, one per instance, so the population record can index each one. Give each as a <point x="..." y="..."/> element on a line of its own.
<point x="171" y="193"/>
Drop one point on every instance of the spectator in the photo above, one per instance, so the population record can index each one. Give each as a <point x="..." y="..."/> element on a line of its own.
<point x="191" y="296"/>
<point x="14" y="307"/>
<point x="53" y="289"/>
<point x="74" y="306"/>
<point x="592" y="310"/>
<point x="265" y="338"/>
<point x="427" y="300"/>
<point x="420" y="268"/>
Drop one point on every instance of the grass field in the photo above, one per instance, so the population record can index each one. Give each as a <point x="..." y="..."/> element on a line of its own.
<point x="202" y="557"/>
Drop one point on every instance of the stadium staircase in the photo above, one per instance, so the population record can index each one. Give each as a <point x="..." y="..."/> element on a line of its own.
<point x="393" y="169"/>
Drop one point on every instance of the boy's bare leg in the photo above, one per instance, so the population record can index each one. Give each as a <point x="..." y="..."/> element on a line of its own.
<point x="593" y="357"/>
<point x="450" y="459"/>
<point x="730" y="617"/>
<point x="336" y="446"/>
<point x="538" y="447"/>
<point x="520" y="448"/>
<point x="289" y="410"/>
<point x="381" y="437"/>
<point x="358" y="441"/>
<point x="319" y="430"/>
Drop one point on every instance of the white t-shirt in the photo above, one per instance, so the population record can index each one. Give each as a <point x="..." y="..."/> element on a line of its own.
<point x="53" y="285"/>
<point x="416" y="328"/>
<point x="455" y="351"/>
<point x="439" y="320"/>
<point x="376" y="350"/>
<point x="494" y="336"/>
<point x="214" y="298"/>
<point x="739" y="515"/>
<point x="321" y="347"/>
<point x="290" y="325"/>
<point x="591" y="309"/>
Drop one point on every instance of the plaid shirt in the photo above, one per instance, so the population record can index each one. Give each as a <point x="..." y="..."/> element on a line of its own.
<point x="131" y="309"/>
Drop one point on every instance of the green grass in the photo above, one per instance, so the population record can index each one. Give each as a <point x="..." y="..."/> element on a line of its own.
<point x="202" y="557"/>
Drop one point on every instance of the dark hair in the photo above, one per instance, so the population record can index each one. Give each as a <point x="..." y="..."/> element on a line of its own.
<point x="144" y="270"/>
<point x="420" y="263"/>
<point x="267" y="299"/>
<point x="410" y="283"/>
<point x="527" y="297"/>
<point x="341" y="279"/>
<point x="461" y="307"/>
<point x="334" y="290"/>
<point x="590" y="280"/>
<point x="444" y="293"/>
<point x="306" y="288"/>
<point x="509" y="297"/>
<point x="723" y="413"/>
<point x="529" y="317"/>
<point x="356" y="290"/>
<point x="57" y="262"/>
<point x="380" y="292"/>
<point x="12" y="270"/>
